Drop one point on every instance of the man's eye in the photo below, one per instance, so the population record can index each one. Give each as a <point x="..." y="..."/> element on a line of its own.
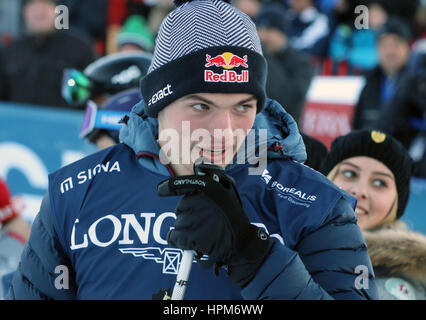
<point x="200" y="107"/>
<point x="243" y="108"/>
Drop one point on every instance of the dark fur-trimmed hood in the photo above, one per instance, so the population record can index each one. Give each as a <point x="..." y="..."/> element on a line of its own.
<point x="398" y="250"/>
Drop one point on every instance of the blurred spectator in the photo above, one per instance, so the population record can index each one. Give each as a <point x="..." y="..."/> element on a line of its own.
<point x="382" y="82"/>
<point x="108" y="88"/>
<point x="340" y="11"/>
<point x="158" y="12"/>
<point x="249" y="7"/>
<point x="104" y="77"/>
<point x="316" y="152"/>
<point x="309" y="29"/>
<point x="14" y="231"/>
<point x="327" y="5"/>
<point x="3" y="89"/>
<point x="289" y="71"/>
<point x="101" y="125"/>
<point x="33" y="64"/>
<point x="10" y="20"/>
<point x="135" y="35"/>
<point x="89" y="17"/>
<point x="403" y="10"/>
<point x="358" y="46"/>
<point x="405" y="116"/>
<point x="117" y="13"/>
<point x="420" y="20"/>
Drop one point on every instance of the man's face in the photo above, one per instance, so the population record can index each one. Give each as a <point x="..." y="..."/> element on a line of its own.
<point x="393" y="53"/>
<point x="377" y="16"/>
<point x="300" y="5"/>
<point x="130" y="47"/>
<point x="249" y="7"/>
<point x="40" y="16"/>
<point x="205" y="125"/>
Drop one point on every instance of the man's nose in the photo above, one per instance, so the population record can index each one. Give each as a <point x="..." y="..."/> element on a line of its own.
<point x="221" y="126"/>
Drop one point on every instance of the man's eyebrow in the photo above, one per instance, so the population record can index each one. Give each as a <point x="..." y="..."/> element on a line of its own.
<point x="203" y="99"/>
<point x="246" y="100"/>
<point x="198" y="97"/>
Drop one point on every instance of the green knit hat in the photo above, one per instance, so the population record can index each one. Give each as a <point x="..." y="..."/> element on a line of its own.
<point x="136" y="31"/>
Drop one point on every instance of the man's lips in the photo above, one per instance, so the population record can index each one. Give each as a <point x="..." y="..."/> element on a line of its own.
<point x="212" y="152"/>
<point x="215" y="149"/>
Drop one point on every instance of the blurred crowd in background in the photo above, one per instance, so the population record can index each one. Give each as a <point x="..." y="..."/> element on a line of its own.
<point x="380" y="40"/>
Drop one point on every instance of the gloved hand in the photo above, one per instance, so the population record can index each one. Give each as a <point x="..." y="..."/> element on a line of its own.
<point x="210" y="220"/>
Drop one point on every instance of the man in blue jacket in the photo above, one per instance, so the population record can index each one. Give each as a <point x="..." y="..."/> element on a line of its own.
<point x="274" y="229"/>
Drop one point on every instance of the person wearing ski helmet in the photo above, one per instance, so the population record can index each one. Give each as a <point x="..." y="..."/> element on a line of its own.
<point x="109" y="89"/>
<point x="104" y="77"/>
<point x="101" y="126"/>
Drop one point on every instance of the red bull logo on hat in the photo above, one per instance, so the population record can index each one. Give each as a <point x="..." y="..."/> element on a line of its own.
<point x="226" y="60"/>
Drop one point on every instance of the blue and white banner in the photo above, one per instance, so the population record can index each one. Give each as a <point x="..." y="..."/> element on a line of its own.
<point x="35" y="141"/>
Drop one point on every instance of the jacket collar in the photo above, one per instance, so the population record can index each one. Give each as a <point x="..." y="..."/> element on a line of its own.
<point x="397" y="250"/>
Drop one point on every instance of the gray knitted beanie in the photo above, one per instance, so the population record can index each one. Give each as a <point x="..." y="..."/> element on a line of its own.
<point x="204" y="46"/>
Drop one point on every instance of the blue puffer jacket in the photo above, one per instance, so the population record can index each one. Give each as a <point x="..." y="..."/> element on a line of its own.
<point x="101" y="230"/>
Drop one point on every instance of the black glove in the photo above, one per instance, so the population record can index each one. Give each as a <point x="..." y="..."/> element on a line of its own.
<point x="210" y="220"/>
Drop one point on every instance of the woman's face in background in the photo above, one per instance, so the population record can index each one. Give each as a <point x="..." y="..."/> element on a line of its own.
<point x="373" y="185"/>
